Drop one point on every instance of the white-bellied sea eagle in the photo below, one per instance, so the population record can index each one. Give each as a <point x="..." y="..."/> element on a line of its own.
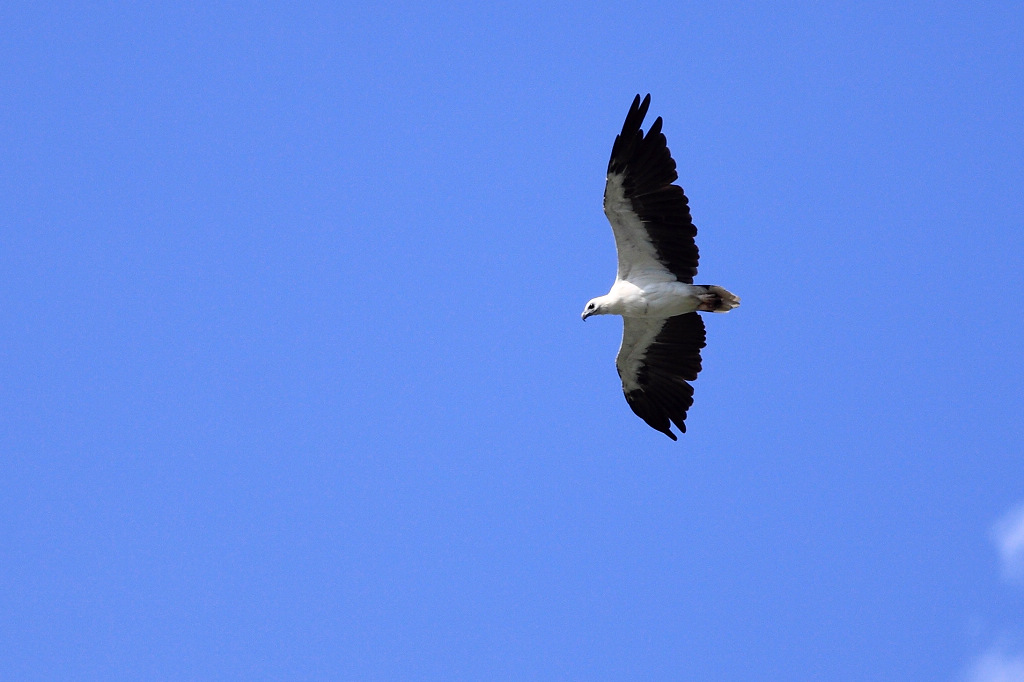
<point x="662" y="334"/>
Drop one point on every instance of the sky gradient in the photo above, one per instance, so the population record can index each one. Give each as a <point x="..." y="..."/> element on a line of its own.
<point x="293" y="383"/>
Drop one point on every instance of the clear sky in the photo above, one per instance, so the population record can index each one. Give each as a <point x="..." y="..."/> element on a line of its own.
<point x="294" y="386"/>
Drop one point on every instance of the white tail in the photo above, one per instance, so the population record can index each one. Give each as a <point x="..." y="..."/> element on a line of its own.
<point x="718" y="300"/>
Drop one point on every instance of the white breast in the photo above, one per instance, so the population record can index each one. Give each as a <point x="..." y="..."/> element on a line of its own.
<point x="646" y="298"/>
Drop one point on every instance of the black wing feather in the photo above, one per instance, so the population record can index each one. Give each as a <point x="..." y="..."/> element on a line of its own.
<point x="669" y="362"/>
<point x="648" y="171"/>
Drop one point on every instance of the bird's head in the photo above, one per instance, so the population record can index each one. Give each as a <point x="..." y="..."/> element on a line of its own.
<point x="594" y="307"/>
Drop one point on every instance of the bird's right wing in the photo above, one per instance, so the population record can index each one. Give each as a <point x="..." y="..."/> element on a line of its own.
<point x="657" y="358"/>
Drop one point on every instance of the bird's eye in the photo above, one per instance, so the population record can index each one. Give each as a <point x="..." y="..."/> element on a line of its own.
<point x="590" y="307"/>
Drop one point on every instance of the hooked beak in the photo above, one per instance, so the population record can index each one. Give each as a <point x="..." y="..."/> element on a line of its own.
<point x="584" y="316"/>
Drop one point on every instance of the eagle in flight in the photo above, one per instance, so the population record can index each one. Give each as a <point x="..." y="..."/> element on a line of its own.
<point x="662" y="334"/>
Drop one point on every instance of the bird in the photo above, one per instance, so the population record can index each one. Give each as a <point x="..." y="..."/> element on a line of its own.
<point x="662" y="332"/>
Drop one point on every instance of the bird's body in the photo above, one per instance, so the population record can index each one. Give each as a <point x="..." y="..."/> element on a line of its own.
<point x="649" y="297"/>
<point x="654" y="290"/>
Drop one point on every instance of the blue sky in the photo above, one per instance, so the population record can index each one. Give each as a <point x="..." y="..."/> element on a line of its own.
<point x="293" y="383"/>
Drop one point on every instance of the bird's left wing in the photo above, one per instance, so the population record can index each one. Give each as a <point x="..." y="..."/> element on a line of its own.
<point x="657" y="358"/>
<point x="650" y="216"/>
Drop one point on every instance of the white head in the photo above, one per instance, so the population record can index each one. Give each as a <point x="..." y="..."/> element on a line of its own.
<point x="596" y="306"/>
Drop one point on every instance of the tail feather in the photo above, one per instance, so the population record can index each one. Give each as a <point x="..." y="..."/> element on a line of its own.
<point x="718" y="300"/>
